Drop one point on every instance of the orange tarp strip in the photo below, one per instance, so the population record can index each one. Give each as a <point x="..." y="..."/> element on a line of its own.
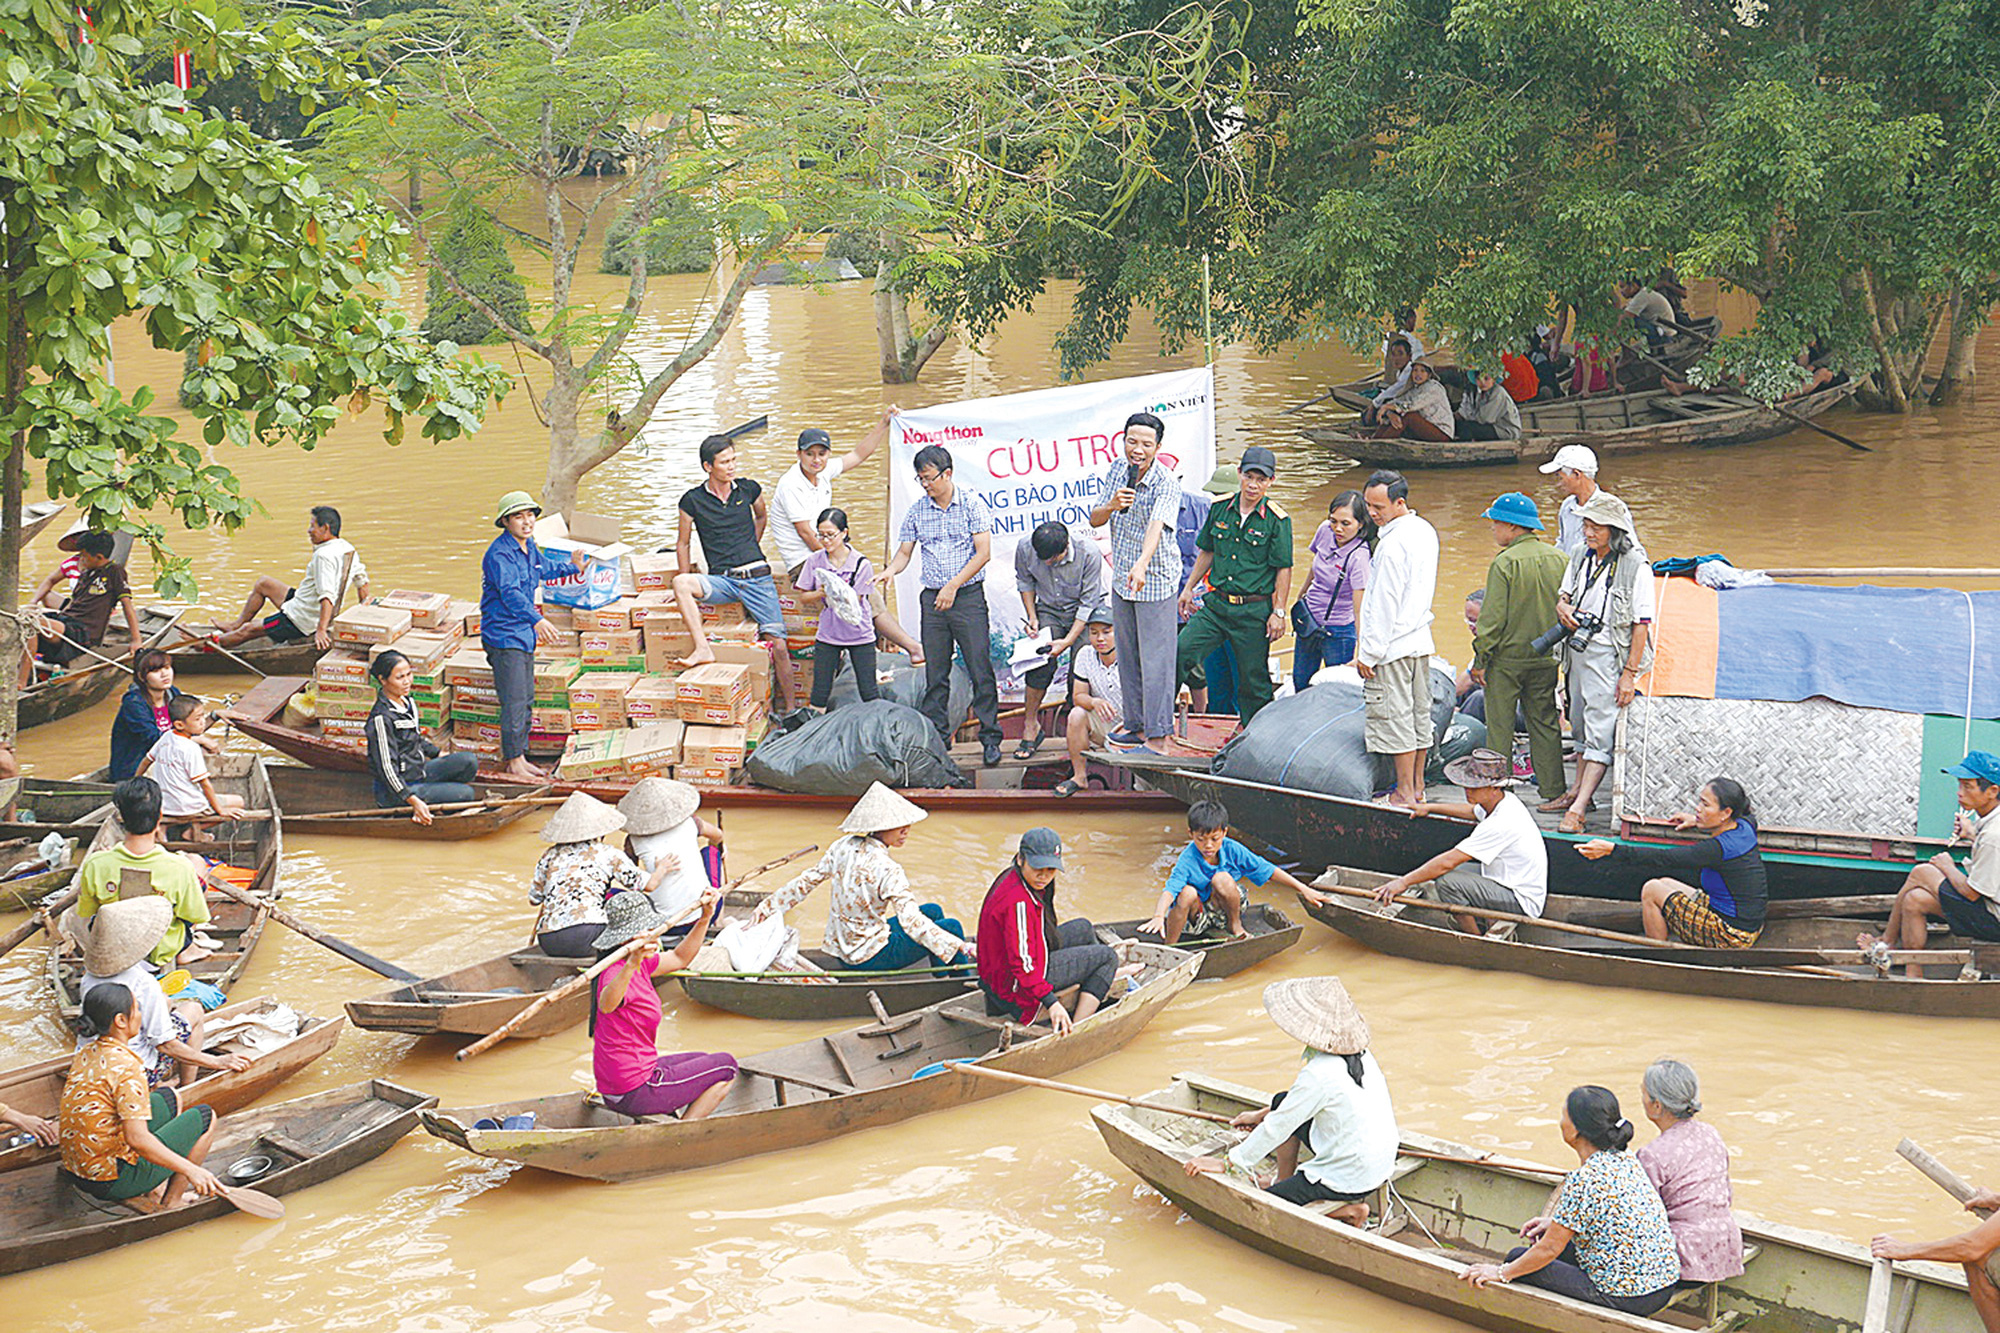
<point x="1684" y="637"/>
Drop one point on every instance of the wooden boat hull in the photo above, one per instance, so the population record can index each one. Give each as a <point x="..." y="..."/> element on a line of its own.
<point x="1797" y="1281"/>
<point x="273" y="659"/>
<point x="1558" y="956"/>
<point x="305" y="792"/>
<point x="37" y="1088"/>
<point x="579" y="1137"/>
<point x="257" y="844"/>
<point x="69" y="806"/>
<point x="476" y="1000"/>
<point x="1332" y="830"/>
<point x="92" y="682"/>
<point x="1647" y="427"/>
<point x="17" y="894"/>
<point x="43" y="1221"/>
<point x="37" y="516"/>
<point x="258" y="714"/>
<point x="1271" y="933"/>
<point x="829" y="997"/>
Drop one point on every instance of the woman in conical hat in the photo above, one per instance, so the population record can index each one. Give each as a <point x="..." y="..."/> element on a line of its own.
<point x="874" y="921"/>
<point x="1337" y="1109"/>
<point x="672" y="843"/>
<point x="578" y="874"/>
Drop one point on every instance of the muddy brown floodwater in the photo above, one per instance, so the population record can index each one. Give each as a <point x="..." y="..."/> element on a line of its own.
<point x="1008" y="1214"/>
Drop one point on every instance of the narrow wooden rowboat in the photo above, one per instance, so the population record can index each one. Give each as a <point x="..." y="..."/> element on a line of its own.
<point x="36" y="516"/>
<point x="1443" y="1216"/>
<point x="807" y="996"/>
<point x="37" y="1088"/>
<point x="195" y="657"/>
<point x="303" y="793"/>
<point x="474" y="1000"/>
<point x="1770" y="971"/>
<point x="72" y="807"/>
<point x="259" y="714"/>
<point x="816" y="1090"/>
<point x="1320" y="830"/>
<point x="1609" y="424"/>
<point x="90" y="681"/>
<point x="44" y="1221"/>
<point x="23" y="880"/>
<point x="1270" y="932"/>
<point x="257" y="845"/>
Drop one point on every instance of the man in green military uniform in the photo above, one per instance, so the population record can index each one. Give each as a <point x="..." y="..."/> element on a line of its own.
<point x="1245" y="552"/>
<point x="1520" y="605"/>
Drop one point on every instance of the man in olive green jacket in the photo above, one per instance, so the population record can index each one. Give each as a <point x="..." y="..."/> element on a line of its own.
<point x="1520" y="605"/>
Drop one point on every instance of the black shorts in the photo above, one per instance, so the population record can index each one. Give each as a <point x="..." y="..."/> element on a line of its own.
<point x="280" y="629"/>
<point x="1968" y="916"/>
<point x="61" y="652"/>
<point x="1296" y="1188"/>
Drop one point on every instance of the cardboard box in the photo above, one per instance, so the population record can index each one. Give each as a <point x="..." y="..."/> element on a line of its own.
<point x="439" y="697"/>
<point x="470" y="729"/>
<point x="461" y="711"/>
<point x="561" y="643"/>
<point x="721" y="747"/>
<point x="596" y="583"/>
<point x="346" y="692"/>
<point x="427" y="609"/>
<point x="617" y="616"/>
<point x="596" y="719"/>
<point x="468" y="666"/>
<point x="350" y="710"/>
<point x="433" y="717"/>
<point x="637" y="752"/>
<point x="722" y="613"/>
<point x="553" y="675"/>
<point x="702" y="775"/>
<point x="653" y="570"/>
<point x="426" y="649"/>
<point x="352" y="728"/>
<point x="559" y="617"/>
<point x="740" y="632"/>
<point x="599" y="644"/>
<point x="475" y="696"/>
<point x="371" y="624"/>
<point x="342" y="666"/>
<point x="551" y="721"/>
<point x="666" y="641"/>
<point x="717" y="693"/>
<point x="602" y="689"/>
<point x="754" y="658"/>
<point x="466" y="616"/>
<point x="653" y="699"/>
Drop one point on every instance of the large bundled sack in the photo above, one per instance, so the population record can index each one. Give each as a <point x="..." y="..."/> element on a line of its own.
<point x="841" y="752"/>
<point x="1316" y="740"/>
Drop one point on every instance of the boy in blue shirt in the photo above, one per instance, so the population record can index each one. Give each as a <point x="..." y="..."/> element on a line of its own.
<point x="1205" y="893"/>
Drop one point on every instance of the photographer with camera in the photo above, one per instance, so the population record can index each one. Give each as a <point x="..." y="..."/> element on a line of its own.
<point x="1605" y="605"/>
<point x="1520" y="603"/>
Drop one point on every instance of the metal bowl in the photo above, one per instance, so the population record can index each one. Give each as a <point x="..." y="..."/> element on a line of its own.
<point x="246" y="1169"/>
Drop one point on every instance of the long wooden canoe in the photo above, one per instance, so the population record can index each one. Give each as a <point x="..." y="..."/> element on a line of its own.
<point x="23" y="880"/>
<point x="1319" y="830"/>
<point x="809" y="997"/>
<point x="255" y="844"/>
<point x="1768" y="972"/>
<point x="313" y="1139"/>
<point x="41" y="806"/>
<point x="1443" y="1216"/>
<point x="37" y="1088"/>
<point x="259" y="714"/>
<point x="817" y="1090"/>
<point x="1271" y="932"/>
<point x="196" y="657"/>
<point x="304" y="793"/>
<point x="1609" y="424"/>
<point x="90" y="681"/>
<point x="36" y="516"/>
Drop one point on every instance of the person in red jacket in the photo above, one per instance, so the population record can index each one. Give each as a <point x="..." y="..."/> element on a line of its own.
<point x="1026" y="961"/>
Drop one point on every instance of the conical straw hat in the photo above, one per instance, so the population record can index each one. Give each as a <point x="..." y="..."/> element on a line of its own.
<point x="123" y="932"/>
<point x="1318" y="1012"/>
<point x="655" y="805"/>
<point x="582" y="818"/>
<point x="881" y="808"/>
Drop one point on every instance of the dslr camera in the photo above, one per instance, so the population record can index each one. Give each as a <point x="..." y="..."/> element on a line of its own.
<point x="1586" y="625"/>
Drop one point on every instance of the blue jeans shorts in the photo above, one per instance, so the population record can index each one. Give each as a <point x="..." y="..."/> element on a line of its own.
<point x="759" y="597"/>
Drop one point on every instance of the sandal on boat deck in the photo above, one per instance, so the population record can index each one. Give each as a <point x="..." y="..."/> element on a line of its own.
<point x="1029" y="744"/>
<point x="1067" y="788"/>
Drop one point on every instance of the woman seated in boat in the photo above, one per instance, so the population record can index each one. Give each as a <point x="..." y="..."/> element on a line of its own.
<point x="142" y="714"/>
<point x="874" y="922"/>
<point x="1337" y="1109"/>
<point x="1028" y="963"/>
<point x="578" y="874"/>
<point x="632" y="1076"/>
<point x="1397" y="354"/>
<point x="116" y="939"/>
<point x="1606" y="1241"/>
<point x="1689" y="1166"/>
<point x="1419" y="412"/>
<point x="120" y="1139"/>
<point x="408" y="767"/>
<point x="1727" y="911"/>
<point x="1486" y="411"/>
<point x="672" y="843"/>
<point x="1606" y="603"/>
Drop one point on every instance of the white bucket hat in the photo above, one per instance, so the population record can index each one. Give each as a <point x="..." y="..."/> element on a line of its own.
<point x="879" y="809"/>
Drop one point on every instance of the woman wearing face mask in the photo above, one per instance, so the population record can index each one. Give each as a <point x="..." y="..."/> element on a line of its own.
<point x="1325" y="617"/>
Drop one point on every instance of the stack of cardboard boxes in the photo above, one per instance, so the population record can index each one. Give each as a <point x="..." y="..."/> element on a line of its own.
<point x="426" y="627"/>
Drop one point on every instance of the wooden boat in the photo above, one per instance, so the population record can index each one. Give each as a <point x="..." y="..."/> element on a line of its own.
<point x="38" y="807"/>
<point x="24" y="878"/>
<point x="304" y="793"/>
<point x="1797" y="960"/>
<point x="254" y="844"/>
<point x="91" y="681"/>
<point x="37" y="516"/>
<point x="259" y="714"/>
<point x="1320" y="831"/>
<point x="815" y="1090"/>
<point x="37" y="1088"/>
<point x="474" y="1000"/>
<point x="1270" y="932"/>
<point x="313" y="1139"/>
<point x="1610" y="424"/>
<point x="844" y="996"/>
<point x="196" y="657"/>
<point x="1438" y="1216"/>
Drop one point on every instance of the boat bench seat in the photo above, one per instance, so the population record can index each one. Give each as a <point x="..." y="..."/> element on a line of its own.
<point x="825" y="1085"/>
<point x="1704" y="1301"/>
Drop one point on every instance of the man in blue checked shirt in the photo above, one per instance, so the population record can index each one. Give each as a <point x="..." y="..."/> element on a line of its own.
<point x="956" y="533"/>
<point x="1141" y="500"/>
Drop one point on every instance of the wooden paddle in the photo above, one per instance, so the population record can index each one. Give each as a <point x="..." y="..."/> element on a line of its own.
<point x="1951" y="1183"/>
<point x="44" y="915"/>
<point x="254" y="1202"/>
<point x="1785" y="412"/>
<point x="313" y="933"/>
<point x="1875" y="1310"/>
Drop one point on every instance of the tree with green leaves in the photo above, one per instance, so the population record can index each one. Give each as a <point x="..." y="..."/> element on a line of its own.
<point x="118" y="199"/>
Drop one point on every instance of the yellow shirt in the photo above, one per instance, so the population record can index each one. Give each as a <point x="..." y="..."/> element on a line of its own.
<point x="173" y="879"/>
<point x="106" y="1087"/>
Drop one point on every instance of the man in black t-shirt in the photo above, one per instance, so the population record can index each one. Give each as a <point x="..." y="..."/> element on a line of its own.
<point x="729" y="514"/>
<point x="100" y="588"/>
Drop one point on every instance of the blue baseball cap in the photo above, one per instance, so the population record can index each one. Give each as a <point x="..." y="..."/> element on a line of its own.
<point x="1516" y="508"/>
<point x="1980" y="766"/>
<point x="1041" y="849"/>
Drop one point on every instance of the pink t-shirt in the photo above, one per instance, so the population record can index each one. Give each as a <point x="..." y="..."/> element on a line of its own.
<point x="622" y="1053"/>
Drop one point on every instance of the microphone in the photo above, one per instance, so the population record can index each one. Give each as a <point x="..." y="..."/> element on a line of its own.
<point x="1131" y="476"/>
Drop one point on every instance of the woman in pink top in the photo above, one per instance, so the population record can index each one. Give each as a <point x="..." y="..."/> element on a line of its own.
<point x="632" y="1076"/>
<point x="1689" y="1166"/>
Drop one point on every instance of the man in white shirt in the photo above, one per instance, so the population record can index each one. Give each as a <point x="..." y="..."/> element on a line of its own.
<point x="1645" y="307"/>
<point x="1394" y="650"/>
<point x="307" y="611"/>
<point x="1575" y="469"/>
<point x="1506" y="845"/>
<point x="805" y="492"/>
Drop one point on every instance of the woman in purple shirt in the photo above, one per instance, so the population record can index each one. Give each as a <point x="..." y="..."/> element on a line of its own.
<point x="837" y="562"/>
<point x="1326" y="616"/>
<point x="1689" y="1166"/>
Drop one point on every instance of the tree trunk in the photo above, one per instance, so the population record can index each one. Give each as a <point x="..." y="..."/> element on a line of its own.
<point x="416" y="188"/>
<point x="12" y="383"/>
<point x="1961" y="370"/>
<point x="1880" y="336"/>
<point x="567" y="461"/>
<point x="904" y="354"/>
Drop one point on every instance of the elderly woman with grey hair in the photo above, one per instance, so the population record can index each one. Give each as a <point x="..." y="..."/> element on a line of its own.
<point x="1689" y="1165"/>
